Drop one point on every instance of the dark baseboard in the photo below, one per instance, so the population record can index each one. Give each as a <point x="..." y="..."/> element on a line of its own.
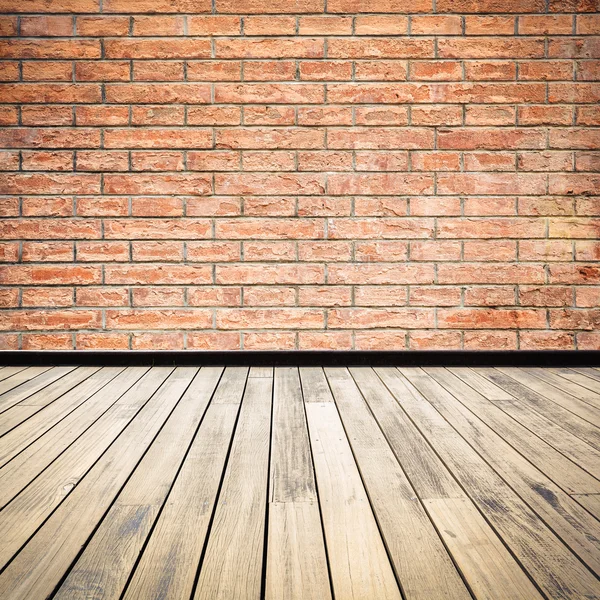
<point x="467" y="358"/>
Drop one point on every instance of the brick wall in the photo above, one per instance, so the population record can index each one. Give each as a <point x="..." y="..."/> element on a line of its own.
<point x="188" y="174"/>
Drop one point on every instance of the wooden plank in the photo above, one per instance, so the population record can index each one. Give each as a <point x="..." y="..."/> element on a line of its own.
<point x="579" y="376"/>
<point x="591" y="502"/>
<point x="296" y="560"/>
<point x="38" y="568"/>
<point x="261" y="372"/>
<point x="110" y="554"/>
<point x="565" y="385"/>
<point x="292" y="476"/>
<point x="232" y="566"/>
<point x="314" y="385"/>
<point x="168" y="565"/>
<point x="554" y="506"/>
<point x="38" y="421"/>
<point x="7" y="372"/>
<point x="231" y="386"/>
<point x="17" y="414"/>
<point x="575" y="405"/>
<point x="421" y="562"/>
<point x="557" y="571"/>
<point x="358" y="562"/>
<point x="588" y="372"/>
<point x="19" y="378"/>
<point x="555" y="465"/>
<point x="27" y="388"/>
<point x="478" y="552"/>
<point x="31" y="461"/>
<point x="544" y="407"/>
<point x="26" y="512"/>
<point x="580" y="452"/>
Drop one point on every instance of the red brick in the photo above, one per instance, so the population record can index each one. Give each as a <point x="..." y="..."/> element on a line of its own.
<point x="494" y="273"/>
<point x="490" y="340"/>
<point x="325" y="25"/>
<point x="47" y="252"/>
<point x="213" y="25"/>
<point x="380" y="340"/>
<point x="209" y="340"/>
<point x="98" y="26"/>
<point x="423" y="340"/>
<point x="158" y="26"/>
<point x="158" y="93"/>
<point x="490" y="296"/>
<point x="490" y="25"/>
<point x="388" y="295"/>
<point x="43" y="341"/>
<point x="270" y="318"/>
<point x="381" y="6"/>
<point x="101" y="341"/>
<point x="269" y="296"/>
<point x="380" y="48"/>
<point x="158" y="70"/>
<point x="545" y="70"/>
<point x="377" y="318"/>
<point x="102" y="297"/>
<point x="490" y="47"/>
<point x="157" y="229"/>
<point x="278" y="340"/>
<point x="157" y="341"/>
<point x="49" y="49"/>
<point x="269" y="47"/>
<point x="50" y="275"/>
<point x="546" y="340"/>
<point x="491" y="6"/>
<point x="436" y="70"/>
<point x="157" y="319"/>
<point x="47" y="71"/>
<point x="275" y="6"/>
<point x="279" y="274"/>
<point x="382" y="273"/>
<point x="388" y="70"/>
<point x="483" y="318"/>
<point x="325" y="340"/>
<point x="545" y="296"/>
<point x="158" y="296"/>
<point x="268" y="70"/>
<point x="491" y="183"/>
<point x="436" y="25"/>
<point x="481" y="70"/>
<point x="384" y="25"/>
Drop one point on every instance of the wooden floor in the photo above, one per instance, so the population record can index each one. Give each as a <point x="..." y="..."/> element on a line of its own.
<point x="310" y="483"/>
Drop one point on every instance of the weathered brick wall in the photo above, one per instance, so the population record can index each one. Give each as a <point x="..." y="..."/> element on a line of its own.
<point x="188" y="174"/>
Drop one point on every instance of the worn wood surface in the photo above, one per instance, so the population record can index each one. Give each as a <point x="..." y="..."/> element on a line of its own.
<point x="291" y="484"/>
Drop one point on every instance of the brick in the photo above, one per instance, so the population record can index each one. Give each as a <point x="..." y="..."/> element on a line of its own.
<point x="376" y="318"/>
<point x="157" y="70"/>
<point x="42" y="341"/>
<point x="50" y="275"/>
<point x="101" y="341"/>
<point x="325" y="25"/>
<point x="222" y="70"/>
<point x="156" y="207"/>
<point x="156" y="229"/>
<point x="269" y="70"/>
<point x="47" y="252"/>
<point x="270" y="318"/>
<point x="436" y="70"/>
<point x="491" y="6"/>
<point x="483" y="318"/>
<point x="279" y="340"/>
<point x="545" y="70"/>
<point x="208" y="340"/>
<point x="157" y="319"/>
<point x="434" y="296"/>
<point x="422" y="340"/>
<point x="328" y="115"/>
<point x="50" y="93"/>
<point x="100" y="26"/>
<point x="213" y="25"/>
<point x="545" y="115"/>
<point x="481" y="70"/>
<point x="158" y="93"/>
<point x="381" y="250"/>
<point x="272" y="93"/>
<point x="158" y="138"/>
<point x="388" y="70"/>
<point x="276" y="6"/>
<point x="380" y="340"/>
<point x="326" y="340"/>
<point x="490" y="296"/>
<point x="378" y="183"/>
<point x="269" y="296"/>
<point x="157" y="341"/>
<point x="435" y="25"/>
<point x="102" y="251"/>
<point x="492" y="273"/>
<point x="157" y="274"/>
<point x="488" y="340"/>
<point x="381" y="273"/>
<point x="325" y="296"/>
<point x="381" y="6"/>
<point x="269" y="47"/>
<point x="545" y="295"/>
<point x="100" y="296"/>
<point x="491" y="228"/>
<point x="158" y="26"/>
<point x="269" y="25"/>
<point x="47" y="71"/>
<point x="546" y="340"/>
<point x="270" y="138"/>
<point x="325" y="70"/>
<point x="380" y="48"/>
<point x="46" y="297"/>
<point x="490" y="47"/>
<point x="492" y="250"/>
<point x="490" y="25"/>
<point x="50" y="49"/>
<point x="157" y="251"/>
<point x="381" y="25"/>
<point x="491" y="183"/>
